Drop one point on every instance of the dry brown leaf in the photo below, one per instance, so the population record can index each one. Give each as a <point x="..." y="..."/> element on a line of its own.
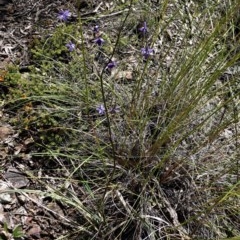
<point x="5" y="132"/>
<point x="34" y="231"/>
<point x="124" y="75"/>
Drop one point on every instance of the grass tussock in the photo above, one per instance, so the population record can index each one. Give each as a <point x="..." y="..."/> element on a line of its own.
<point x="146" y="149"/>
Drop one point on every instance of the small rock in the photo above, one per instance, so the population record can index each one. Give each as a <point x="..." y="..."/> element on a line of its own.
<point x="5" y="198"/>
<point x="22" y="199"/>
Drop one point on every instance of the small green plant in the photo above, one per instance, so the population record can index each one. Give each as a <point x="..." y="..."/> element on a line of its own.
<point x="16" y="233"/>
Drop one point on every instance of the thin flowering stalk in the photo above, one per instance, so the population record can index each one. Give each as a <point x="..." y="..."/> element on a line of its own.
<point x="146" y="52"/>
<point x="110" y="178"/>
<point x="64" y="15"/>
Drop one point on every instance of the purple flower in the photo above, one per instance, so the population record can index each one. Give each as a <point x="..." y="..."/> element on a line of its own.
<point x="96" y="29"/>
<point x="111" y="65"/>
<point x="64" y="15"/>
<point x="144" y="28"/>
<point x="99" y="41"/>
<point x="146" y="52"/>
<point x="101" y="109"/>
<point x="71" y="46"/>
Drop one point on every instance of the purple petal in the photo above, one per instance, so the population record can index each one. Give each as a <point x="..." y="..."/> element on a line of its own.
<point x="70" y="46"/>
<point x="101" y="109"/>
<point x="64" y="15"/>
<point x="96" y="29"/>
<point x="144" y="29"/>
<point x="111" y="65"/>
<point x="146" y="52"/>
<point x="99" y="41"/>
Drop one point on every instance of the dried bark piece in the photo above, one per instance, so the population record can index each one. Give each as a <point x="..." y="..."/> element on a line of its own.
<point x="16" y="178"/>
